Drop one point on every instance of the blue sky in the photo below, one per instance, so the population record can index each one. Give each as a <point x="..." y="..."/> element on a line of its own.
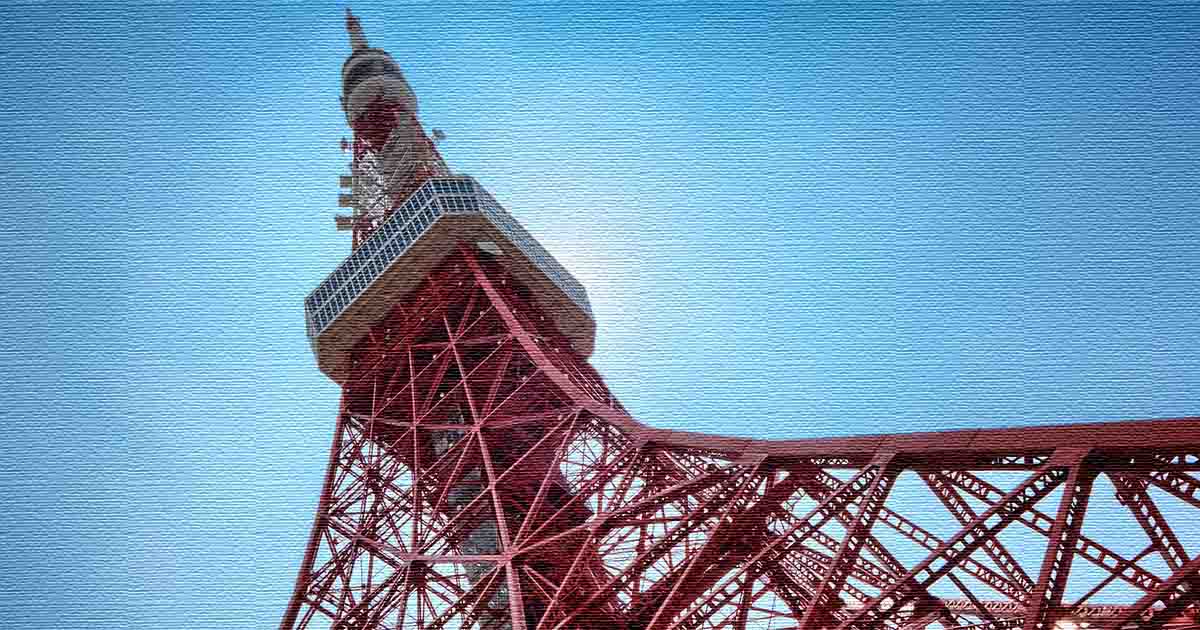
<point x="792" y="221"/>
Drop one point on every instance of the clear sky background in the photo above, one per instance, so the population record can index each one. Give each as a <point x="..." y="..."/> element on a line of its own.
<point x="792" y="221"/>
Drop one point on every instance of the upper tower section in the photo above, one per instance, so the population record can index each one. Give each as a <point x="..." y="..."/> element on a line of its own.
<point x="370" y="74"/>
<point x="409" y="213"/>
<point x="392" y="154"/>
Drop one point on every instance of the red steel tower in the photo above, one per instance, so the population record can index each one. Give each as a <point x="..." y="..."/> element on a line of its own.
<point x="483" y="476"/>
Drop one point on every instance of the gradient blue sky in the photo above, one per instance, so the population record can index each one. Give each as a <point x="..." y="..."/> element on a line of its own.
<point x="792" y="220"/>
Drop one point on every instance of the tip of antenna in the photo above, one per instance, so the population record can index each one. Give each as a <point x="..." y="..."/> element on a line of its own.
<point x="357" y="39"/>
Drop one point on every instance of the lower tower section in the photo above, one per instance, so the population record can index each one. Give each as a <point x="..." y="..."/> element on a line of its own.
<point x="482" y="476"/>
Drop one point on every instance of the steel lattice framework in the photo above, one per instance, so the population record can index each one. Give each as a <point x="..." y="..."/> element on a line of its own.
<point x="482" y="475"/>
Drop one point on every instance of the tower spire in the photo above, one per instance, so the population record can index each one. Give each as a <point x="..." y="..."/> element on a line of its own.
<point x="392" y="155"/>
<point x="358" y="41"/>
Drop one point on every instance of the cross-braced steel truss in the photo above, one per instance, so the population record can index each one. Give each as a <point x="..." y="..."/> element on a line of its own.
<point x="482" y="476"/>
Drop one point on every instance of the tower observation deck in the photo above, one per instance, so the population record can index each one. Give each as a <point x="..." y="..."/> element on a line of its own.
<point x="409" y="213"/>
<point x="482" y="475"/>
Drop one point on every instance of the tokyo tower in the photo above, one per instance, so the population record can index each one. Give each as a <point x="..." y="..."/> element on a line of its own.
<point x="483" y="476"/>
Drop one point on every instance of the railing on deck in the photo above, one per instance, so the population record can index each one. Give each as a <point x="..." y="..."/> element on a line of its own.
<point x="440" y="196"/>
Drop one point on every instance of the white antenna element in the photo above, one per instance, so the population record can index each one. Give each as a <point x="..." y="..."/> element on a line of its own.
<point x="374" y="199"/>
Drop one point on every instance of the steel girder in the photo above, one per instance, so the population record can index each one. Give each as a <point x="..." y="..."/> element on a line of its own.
<point x="483" y="476"/>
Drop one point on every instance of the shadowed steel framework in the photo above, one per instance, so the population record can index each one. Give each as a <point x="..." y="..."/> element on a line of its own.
<point x="483" y="476"/>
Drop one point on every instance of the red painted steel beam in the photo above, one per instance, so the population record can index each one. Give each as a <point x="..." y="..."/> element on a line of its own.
<point x="937" y="564"/>
<point x="1183" y="486"/>
<point x="872" y="499"/>
<point x="924" y="538"/>
<point x="996" y="624"/>
<point x="1168" y="601"/>
<point x="969" y="449"/>
<point x="306" y="565"/>
<point x="1132" y="493"/>
<point x="944" y="490"/>
<point x="735" y="537"/>
<point x="1099" y="555"/>
<point x="1044" y="602"/>
<point x="741" y="535"/>
<point x="822" y="513"/>
<point x="1011" y="609"/>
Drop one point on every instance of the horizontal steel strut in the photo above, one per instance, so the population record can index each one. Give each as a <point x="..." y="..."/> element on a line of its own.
<point x="482" y="476"/>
